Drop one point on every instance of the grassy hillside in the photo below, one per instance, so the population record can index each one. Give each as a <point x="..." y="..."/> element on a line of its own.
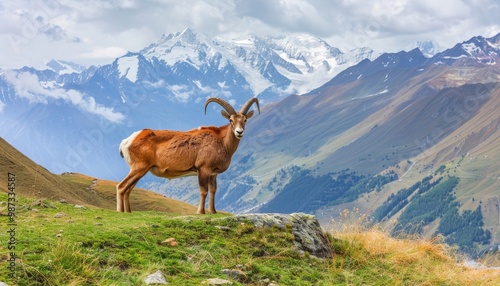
<point x="102" y="193"/>
<point x="35" y="181"/>
<point x="58" y="244"/>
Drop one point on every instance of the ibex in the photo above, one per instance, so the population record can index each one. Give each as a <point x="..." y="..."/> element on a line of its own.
<point x="205" y="152"/>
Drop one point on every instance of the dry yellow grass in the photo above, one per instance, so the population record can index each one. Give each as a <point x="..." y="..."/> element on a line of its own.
<point x="407" y="261"/>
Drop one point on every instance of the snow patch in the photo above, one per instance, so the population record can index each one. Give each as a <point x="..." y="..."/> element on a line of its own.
<point x="455" y="58"/>
<point x="470" y="48"/>
<point x="128" y="67"/>
<point x="493" y="45"/>
<point x="377" y="93"/>
<point x="198" y="84"/>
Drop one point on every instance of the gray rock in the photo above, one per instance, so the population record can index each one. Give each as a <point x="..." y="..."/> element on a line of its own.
<point x="155" y="278"/>
<point x="224" y="228"/>
<point x="235" y="274"/>
<point x="3" y="284"/>
<point x="308" y="235"/>
<point x="216" y="281"/>
<point x="40" y="203"/>
<point x="59" y="215"/>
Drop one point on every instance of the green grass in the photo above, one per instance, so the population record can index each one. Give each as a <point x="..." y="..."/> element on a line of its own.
<point x="102" y="247"/>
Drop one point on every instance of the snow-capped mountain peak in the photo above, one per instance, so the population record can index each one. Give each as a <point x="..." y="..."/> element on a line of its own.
<point x="478" y="49"/>
<point x="186" y="46"/>
<point x="64" y="67"/>
<point x="428" y="48"/>
<point x="276" y="64"/>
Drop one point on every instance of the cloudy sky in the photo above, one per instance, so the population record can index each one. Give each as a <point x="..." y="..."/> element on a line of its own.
<point x="95" y="32"/>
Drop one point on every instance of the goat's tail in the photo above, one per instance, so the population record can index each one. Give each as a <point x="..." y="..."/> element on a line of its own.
<point x="122" y="145"/>
<point x="125" y="144"/>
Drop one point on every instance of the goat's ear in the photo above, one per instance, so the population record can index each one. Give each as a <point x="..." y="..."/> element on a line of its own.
<point x="249" y="114"/>
<point x="225" y="114"/>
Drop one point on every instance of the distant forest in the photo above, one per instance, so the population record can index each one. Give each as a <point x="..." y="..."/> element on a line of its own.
<point x="306" y="192"/>
<point x="419" y="205"/>
<point x="429" y="200"/>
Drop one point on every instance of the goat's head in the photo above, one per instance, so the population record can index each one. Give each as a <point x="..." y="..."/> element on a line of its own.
<point x="236" y="119"/>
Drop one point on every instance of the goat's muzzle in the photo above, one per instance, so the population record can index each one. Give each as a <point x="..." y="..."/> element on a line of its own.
<point x="239" y="133"/>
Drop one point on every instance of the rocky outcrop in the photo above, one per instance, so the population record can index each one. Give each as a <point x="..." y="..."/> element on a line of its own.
<point x="308" y="235"/>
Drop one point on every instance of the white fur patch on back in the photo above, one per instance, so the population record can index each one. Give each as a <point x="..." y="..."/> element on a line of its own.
<point x="197" y="128"/>
<point x="125" y="144"/>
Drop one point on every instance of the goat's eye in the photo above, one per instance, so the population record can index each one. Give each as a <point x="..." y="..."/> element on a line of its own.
<point x="245" y="120"/>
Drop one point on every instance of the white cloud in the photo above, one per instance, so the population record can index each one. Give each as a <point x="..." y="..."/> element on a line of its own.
<point x="211" y="91"/>
<point x="93" y="32"/>
<point x="104" y="53"/>
<point x="181" y="92"/>
<point x="184" y="93"/>
<point x="2" y="105"/>
<point x="156" y="84"/>
<point x="27" y="85"/>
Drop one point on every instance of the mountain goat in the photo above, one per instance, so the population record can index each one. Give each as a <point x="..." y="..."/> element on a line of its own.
<point x="205" y="152"/>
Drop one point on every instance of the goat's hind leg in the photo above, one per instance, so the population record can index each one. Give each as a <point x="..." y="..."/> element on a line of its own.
<point x="124" y="188"/>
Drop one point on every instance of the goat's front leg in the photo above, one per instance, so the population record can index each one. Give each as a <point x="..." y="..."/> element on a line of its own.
<point x="203" y="180"/>
<point x="213" y="189"/>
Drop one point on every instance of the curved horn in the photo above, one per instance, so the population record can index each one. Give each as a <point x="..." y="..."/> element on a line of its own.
<point x="222" y="103"/>
<point x="246" y="106"/>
